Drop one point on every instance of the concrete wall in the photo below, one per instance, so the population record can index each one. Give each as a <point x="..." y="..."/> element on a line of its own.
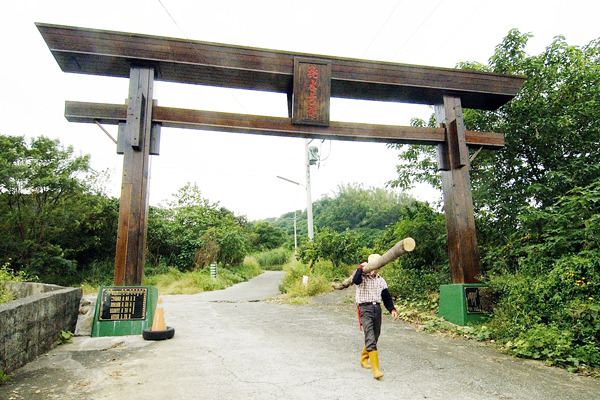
<point x="21" y="290"/>
<point x="29" y="326"/>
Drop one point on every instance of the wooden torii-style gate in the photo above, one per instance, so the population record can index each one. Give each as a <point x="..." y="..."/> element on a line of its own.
<point x="308" y="81"/>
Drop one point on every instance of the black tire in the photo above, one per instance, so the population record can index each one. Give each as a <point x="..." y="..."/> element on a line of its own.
<point x="149" y="334"/>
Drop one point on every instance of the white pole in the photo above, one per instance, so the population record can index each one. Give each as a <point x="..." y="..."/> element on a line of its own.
<point x="295" y="238"/>
<point x="308" y="198"/>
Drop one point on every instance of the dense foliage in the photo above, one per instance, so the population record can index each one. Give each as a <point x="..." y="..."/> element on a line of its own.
<point x="364" y="211"/>
<point x="8" y="276"/>
<point x="57" y="225"/>
<point x="265" y="236"/>
<point x="273" y="259"/>
<point x="174" y="281"/>
<point x="193" y="232"/>
<point x="537" y="201"/>
<point x="53" y="219"/>
<point x="418" y="275"/>
<point x="537" y="204"/>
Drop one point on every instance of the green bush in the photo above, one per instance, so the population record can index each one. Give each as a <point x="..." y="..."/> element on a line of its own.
<point x="98" y="273"/>
<point x="552" y="345"/>
<point x="273" y="259"/>
<point x="554" y="316"/>
<point x="293" y="286"/>
<point x="6" y="276"/>
<point x="319" y="280"/>
<point x="317" y="284"/>
<point x="3" y="377"/>
<point x="414" y="284"/>
<point x="339" y="248"/>
<point x="248" y="269"/>
<point x="293" y="273"/>
<point x="174" y="281"/>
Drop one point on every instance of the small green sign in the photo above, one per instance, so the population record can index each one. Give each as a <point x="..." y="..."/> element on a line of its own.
<point x="124" y="310"/>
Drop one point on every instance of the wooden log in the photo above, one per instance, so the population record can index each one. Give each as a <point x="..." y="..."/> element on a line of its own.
<point x="404" y="246"/>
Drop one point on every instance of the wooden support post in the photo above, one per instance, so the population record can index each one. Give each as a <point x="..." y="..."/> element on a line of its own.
<point x="133" y="207"/>
<point x="453" y="161"/>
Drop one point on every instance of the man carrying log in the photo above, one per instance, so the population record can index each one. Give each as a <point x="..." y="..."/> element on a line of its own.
<point x="370" y="290"/>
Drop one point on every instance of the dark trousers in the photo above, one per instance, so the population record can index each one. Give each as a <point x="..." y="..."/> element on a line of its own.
<point x="370" y="318"/>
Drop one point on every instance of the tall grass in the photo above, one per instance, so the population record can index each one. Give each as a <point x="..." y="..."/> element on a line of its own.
<point x="174" y="281"/>
<point x="273" y="260"/>
<point x="319" y="280"/>
<point x="6" y="276"/>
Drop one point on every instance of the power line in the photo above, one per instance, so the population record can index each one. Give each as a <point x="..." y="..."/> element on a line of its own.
<point x="197" y="51"/>
<point x="404" y="44"/>
<point x="416" y="30"/>
<point x="204" y="61"/>
<point x="456" y="30"/>
<point x="380" y="29"/>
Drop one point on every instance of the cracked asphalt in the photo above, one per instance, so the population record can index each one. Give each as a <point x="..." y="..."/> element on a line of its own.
<point x="238" y="343"/>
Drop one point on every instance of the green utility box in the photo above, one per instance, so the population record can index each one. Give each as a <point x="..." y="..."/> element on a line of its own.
<point x="465" y="303"/>
<point x="124" y="310"/>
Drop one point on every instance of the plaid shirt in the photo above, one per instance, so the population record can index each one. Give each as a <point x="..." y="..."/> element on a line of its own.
<point x="370" y="289"/>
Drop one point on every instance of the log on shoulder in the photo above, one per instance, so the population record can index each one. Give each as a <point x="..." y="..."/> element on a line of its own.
<point x="403" y="246"/>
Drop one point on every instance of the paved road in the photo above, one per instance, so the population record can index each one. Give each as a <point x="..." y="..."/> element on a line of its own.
<point x="232" y="344"/>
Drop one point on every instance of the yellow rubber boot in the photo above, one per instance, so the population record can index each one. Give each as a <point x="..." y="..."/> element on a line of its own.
<point x="375" y="363"/>
<point x="364" y="359"/>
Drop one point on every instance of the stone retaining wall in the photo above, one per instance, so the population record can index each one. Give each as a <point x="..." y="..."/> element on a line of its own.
<point x="29" y="326"/>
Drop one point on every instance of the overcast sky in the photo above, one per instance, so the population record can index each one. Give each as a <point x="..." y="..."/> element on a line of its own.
<point x="239" y="171"/>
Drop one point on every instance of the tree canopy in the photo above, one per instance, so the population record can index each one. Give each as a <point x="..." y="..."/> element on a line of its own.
<point x="552" y="131"/>
<point x="536" y="201"/>
<point x="52" y="218"/>
<point x="193" y="232"/>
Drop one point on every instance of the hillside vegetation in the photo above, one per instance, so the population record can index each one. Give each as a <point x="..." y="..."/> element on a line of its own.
<point x="537" y="208"/>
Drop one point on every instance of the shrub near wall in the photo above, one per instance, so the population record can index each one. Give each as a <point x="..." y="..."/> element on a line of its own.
<point x="31" y="325"/>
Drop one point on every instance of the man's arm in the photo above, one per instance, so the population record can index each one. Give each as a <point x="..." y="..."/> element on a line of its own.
<point x="357" y="278"/>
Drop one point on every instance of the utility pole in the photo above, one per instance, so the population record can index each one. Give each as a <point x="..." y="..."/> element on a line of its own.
<point x="295" y="237"/>
<point x="309" y="213"/>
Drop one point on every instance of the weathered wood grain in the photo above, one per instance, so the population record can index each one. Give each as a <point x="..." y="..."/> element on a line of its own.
<point x="99" y="52"/>
<point x="276" y="126"/>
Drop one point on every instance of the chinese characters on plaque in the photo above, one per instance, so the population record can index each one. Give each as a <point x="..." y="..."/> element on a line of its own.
<point x="123" y="304"/>
<point x="312" y="91"/>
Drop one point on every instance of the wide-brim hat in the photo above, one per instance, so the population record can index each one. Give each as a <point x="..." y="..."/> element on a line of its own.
<point x="373" y="257"/>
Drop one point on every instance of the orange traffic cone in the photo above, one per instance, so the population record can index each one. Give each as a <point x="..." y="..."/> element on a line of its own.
<point x="159" y="330"/>
<point x="158" y="323"/>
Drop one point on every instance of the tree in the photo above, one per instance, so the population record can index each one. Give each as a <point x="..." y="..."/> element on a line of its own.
<point x="552" y="131"/>
<point x="421" y="272"/>
<point x="266" y="236"/>
<point x="185" y="233"/>
<point x="364" y="211"/>
<point x="53" y="219"/>
<point x="537" y="202"/>
<point x="339" y="248"/>
<point x="427" y="227"/>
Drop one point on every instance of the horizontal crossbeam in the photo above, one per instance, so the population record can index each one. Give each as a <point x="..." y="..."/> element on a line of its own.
<point x="108" y="53"/>
<point x="275" y="126"/>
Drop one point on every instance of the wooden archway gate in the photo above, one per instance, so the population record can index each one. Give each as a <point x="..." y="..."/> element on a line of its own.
<point x="309" y="81"/>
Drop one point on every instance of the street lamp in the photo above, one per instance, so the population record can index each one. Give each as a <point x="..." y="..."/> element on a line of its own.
<point x="310" y="158"/>
<point x="308" y="210"/>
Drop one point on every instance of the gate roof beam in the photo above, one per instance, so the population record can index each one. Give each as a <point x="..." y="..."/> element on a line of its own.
<point x="101" y="52"/>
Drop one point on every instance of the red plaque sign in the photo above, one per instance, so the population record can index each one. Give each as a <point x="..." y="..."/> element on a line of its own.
<point x="312" y="90"/>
